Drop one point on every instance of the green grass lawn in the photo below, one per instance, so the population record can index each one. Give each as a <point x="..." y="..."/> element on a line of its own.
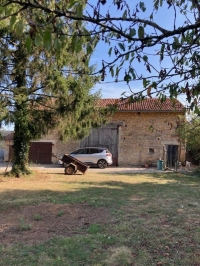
<point x="155" y="219"/>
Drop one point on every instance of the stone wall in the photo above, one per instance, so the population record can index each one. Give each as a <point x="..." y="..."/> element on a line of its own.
<point x="145" y="135"/>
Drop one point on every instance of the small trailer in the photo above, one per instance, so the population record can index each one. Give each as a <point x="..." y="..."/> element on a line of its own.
<point x="72" y="165"/>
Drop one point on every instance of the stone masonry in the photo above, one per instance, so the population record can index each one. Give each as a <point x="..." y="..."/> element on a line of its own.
<point x="145" y="135"/>
<point x="142" y="136"/>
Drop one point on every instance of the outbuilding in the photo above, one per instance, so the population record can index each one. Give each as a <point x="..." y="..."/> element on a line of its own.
<point x="136" y="133"/>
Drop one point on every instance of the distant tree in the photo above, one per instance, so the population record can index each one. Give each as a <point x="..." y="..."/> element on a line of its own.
<point x="168" y="55"/>
<point x="42" y="89"/>
<point x="189" y="133"/>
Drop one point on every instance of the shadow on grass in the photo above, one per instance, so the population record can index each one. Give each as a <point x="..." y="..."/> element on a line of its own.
<point x="106" y="193"/>
<point x="148" y="223"/>
<point x="170" y="176"/>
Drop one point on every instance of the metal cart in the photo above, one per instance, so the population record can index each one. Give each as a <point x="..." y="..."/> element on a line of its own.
<point x="72" y="165"/>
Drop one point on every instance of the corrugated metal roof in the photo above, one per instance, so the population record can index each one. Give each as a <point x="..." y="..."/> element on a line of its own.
<point x="150" y="104"/>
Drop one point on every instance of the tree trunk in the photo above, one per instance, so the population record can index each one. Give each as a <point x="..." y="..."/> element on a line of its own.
<point x="21" y="142"/>
<point x="21" y="134"/>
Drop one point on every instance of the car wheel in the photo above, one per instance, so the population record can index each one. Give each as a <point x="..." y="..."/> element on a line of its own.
<point x="69" y="170"/>
<point x="102" y="164"/>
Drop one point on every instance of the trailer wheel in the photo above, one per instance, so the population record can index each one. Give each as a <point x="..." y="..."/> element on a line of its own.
<point x="69" y="170"/>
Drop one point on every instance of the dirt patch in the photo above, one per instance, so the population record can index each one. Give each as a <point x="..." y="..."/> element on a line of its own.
<point x="38" y="223"/>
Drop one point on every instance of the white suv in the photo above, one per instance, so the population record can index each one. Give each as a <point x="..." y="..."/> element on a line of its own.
<point x="98" y="156"/>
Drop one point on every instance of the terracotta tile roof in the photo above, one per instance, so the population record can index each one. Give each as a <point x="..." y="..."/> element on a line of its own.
<point x="150" y="104"/>
<point x="9" y="136"/>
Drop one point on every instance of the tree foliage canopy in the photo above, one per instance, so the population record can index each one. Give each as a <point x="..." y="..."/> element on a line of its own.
<point x="42" y="87"/>
<point x="46" y="84"/>
<point x="166" y="49"/>
<point x="189" y="132"/>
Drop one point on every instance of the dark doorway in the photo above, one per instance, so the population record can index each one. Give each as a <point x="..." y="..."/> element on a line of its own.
<point x="172" y="155"/>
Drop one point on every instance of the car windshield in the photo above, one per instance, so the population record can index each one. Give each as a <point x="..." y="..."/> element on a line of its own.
<point x="83" y="151"/>
<point x="74" y="152"/>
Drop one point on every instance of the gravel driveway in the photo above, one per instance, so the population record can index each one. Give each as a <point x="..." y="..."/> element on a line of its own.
<point x="59" y="169"/>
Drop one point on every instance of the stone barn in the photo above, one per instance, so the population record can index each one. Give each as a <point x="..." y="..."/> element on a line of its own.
<point x="136" y="133"/>
<point x="141" y="132"/>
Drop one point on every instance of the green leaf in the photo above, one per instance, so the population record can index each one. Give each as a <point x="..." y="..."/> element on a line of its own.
<point x="72" y="3"/>
<point x="110" y="51"/>
<point x="162" y="98"/>
<point x="57" y="44"/>
<point x="40" y="31"/>
<point x="112" y="72"/>
<point x="74" y="41"/>
<point x="89" y="49"/>
<point x="117" y="71"/>
<point x="122" y="62"/>
<point x="79" y="11"/>
<point x="63" y="40"/>
<point x="132" y="32"/>
<point x="141" y="32"/>
<point x="121" y="46"/>
<point x="127" y="56"/>
<point x="47" y="40"/>
<point x="156" y="4"/>
<point x="127" y="78"/>
<point x="145" y="58"/>
<point x="124" y="14"/>
<point x="131" y="60"/>
<point x="28" y="43"/>
<point x="162" y="51"/>
<point x="154" y="85"/>
<point x="146" y="82"/>
<point x="142" y="6"/>
<point x="86" y="32"/>
<point x="19" y="28"/>
<point x="183" y="39"/>
<point x="176" y="43"/>
<point x="193" y="73"/>
<point x="79" y="47"/>
<point x="95" y="41"/>
<point x="162" y="48"/>
<point x="8" y="11"/>
<point x="38" y="40"/>
<point x="132" y="72"/>
<point x="2" y="9"/>
<point x="12" y="22"/>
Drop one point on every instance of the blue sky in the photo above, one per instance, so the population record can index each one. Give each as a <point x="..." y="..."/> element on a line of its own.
<point x="165" y="18"/>
<point x="109" y="89"/>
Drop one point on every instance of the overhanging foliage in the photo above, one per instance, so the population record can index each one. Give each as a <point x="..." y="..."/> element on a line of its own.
<point x="167" y="52"/>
